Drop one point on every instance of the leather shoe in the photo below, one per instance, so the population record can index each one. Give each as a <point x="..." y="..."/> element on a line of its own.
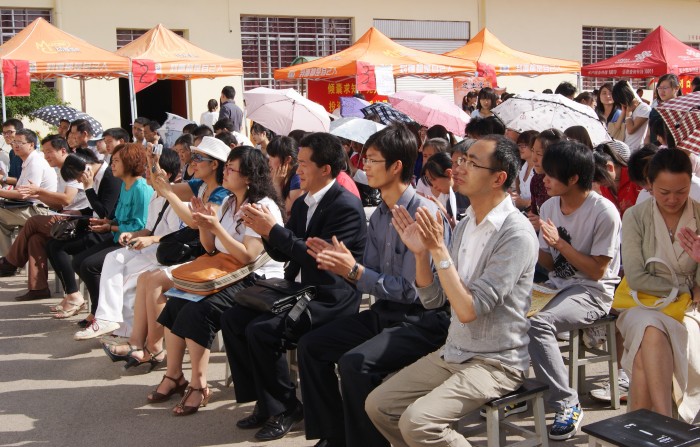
<point x="329" y="443"/>
<point x="254" y="420"/>
<point x="6" y="269"/>
<point x="278" y="426"/>
<point x="34" y="295"/>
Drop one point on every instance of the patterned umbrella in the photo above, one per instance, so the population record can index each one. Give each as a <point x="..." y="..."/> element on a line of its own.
<point x="386" y="113"/>
<point x="682" y="116"/>
<point x="351" y="106"/>
<point x="54" y="114"/>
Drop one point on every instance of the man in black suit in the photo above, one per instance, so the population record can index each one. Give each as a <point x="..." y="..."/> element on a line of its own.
<point x="396" y="331"/>
<point x="255" y="341"/>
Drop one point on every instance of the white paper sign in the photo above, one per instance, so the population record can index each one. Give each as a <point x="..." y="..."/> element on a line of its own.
<point x="384" y="74"/>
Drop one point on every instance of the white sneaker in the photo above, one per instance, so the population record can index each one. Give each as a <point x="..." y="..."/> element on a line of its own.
<point x="604" y="394"/>
<point x="96" y="328"/>
<point x="594" y="337"/>
<point x="564" y="336"/>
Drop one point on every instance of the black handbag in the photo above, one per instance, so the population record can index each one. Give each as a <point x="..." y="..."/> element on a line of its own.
<point x="280" y="296"/>
<point x="68" y="229"/>
<point x="179" y="247"/>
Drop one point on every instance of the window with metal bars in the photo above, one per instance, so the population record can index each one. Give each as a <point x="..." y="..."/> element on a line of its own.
<point x="14" y="20"/>
<point x="269" y="43"/>
<point x="126" y="36"/>
<point x="600" y="43"/>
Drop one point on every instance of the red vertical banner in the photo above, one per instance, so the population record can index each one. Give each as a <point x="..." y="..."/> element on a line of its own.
<point x="16" y="80"/>
<point x="144" y="73"/>
<point x="365" y="78"/>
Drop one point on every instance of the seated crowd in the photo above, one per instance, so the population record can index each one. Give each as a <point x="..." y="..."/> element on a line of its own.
<point x="459" y="233"/>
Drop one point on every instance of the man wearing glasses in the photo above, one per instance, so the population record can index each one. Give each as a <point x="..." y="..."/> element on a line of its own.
<point x="12" y="162"/>
<point x="358" y="343"/>
<point x="35" y="171"/>
<point x="486" y="276"/>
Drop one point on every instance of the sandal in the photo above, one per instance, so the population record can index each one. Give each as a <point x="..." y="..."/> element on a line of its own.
<point x="74" y="309"/>
<point x="107" y="348"/>
<point x="156" y="397"/>
<point x="153" y="359"/>
<point x="57" y="307"/>
<point x="188" y="410"/>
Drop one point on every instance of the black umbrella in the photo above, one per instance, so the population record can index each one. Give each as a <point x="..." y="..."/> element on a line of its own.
<point x="54" y="114"/>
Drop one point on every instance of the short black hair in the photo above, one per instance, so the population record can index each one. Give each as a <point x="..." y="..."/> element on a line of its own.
<point x="638" y="163"/>
<point x="437" y="165"/>
<point x="669" y="160"/>
<point x="229" y="92"/>
<point x="57" y="142"/>
<point x="548" y="137"/>
<point x="283" y="147"/>
<point x="396" y="142"/>
<point x="82" y="125"/>
<point x="566" y="159"/>
<point x="74" y="164"/>
<point x="580" y="134"/>
<point x="153" y="125"/>
<point x="169" y="161"/>
<point x="622" y="93"/>
<point x="497" y="126"/>
<point x="325" y="150"/>
<point x="142" y="120"/>
<point x="30" y="135"/>
<point x="17" y="124"/>
<point x="297" y="135"/>
<point x="227" y="138"/>
<point x="188" y="128"/>
<point x="547" y="91"/>
<point x="505" y="158"/>
<point x="117" y="133"/>
<point x="185" y="140"/>
<point x="224" y="124"/>
<point x="202" y="131"/>
<point x="438" y="131"/>
<point x="566" y="89"/>
<point x="440" y="144"/>
<point x="527" y="137"/>
<point x="63" y="120"/>
<point x="478" y="127"/>
<point x="463" y="146"/>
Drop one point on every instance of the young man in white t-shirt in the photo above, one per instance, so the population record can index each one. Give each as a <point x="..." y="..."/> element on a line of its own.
<point x="580" y="246"/>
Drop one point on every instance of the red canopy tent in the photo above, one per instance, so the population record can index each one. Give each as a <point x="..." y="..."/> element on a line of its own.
<point x="659" y="53"/>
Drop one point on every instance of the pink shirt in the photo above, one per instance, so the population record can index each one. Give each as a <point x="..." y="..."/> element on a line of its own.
<point x="346" y="182"/>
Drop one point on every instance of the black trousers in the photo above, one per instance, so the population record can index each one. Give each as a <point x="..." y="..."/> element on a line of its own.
<point x="258" y="360"/>
<point x="60" y="252"/>
<point x="88" y="265"/>
<point x="366" y="347"/>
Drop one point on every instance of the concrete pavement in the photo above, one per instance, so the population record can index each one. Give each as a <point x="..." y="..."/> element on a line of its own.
<point x="55" y="391"/>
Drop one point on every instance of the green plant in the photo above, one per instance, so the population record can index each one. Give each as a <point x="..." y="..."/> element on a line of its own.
<point x="40" y="96"/>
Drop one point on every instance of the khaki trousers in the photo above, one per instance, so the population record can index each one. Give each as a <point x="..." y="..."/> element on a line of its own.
<point x="15" y="217"/>
<point x="418" y="405"/>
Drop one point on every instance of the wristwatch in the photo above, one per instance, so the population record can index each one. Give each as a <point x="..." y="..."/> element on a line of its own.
<point x="352" y="274"/>
<point x="445" y="264"/>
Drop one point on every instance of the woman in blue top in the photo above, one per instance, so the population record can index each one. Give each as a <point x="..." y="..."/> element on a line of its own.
<point x="128" y="161"/>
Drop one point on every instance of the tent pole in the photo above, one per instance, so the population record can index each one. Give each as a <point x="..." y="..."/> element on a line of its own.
<point x="132" y="97"/>
<point x="579" y="81"/>
<point x="82" y="94"/>
<point x="2" y="87"/>
<point x="187" y="98"/>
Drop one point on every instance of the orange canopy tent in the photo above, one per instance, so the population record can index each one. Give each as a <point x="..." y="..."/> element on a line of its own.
<point x="52" y="52"/>
<point x="373" y="49"/>
<point x="485" y="48"/>
<point x="162" y="54"/>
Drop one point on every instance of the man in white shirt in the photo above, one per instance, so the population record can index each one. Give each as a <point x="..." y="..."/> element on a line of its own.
<point x="35" y="171"/>
<point x="30" y="244"/>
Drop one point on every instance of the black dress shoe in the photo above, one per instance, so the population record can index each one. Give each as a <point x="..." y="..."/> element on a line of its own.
<point x="278" y="426"/>
<point x="329" y="443"/>
<point x="7" y="269"/>
<point x="255" y="420"/>
<point x="34" y="295"/>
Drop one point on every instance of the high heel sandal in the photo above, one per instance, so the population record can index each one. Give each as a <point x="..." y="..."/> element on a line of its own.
<point x="188" y="410"/>
<point x="153" y="359"/>
<point x="156" y="397"/>
<point x="119" y="357"/>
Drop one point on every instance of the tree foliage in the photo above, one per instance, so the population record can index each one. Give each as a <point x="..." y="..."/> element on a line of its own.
<point x="40" y="96"/>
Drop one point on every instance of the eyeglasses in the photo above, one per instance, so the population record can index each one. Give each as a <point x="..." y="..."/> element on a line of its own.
<point x="19" y="143"/>
<point x="461" y="161"/>
<point x="664" y="88"/>
<point x="371" y="162"/>
<point x="230" y="169"/>
<point x="9" y="132"/>
<point x="198" y="158"/>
